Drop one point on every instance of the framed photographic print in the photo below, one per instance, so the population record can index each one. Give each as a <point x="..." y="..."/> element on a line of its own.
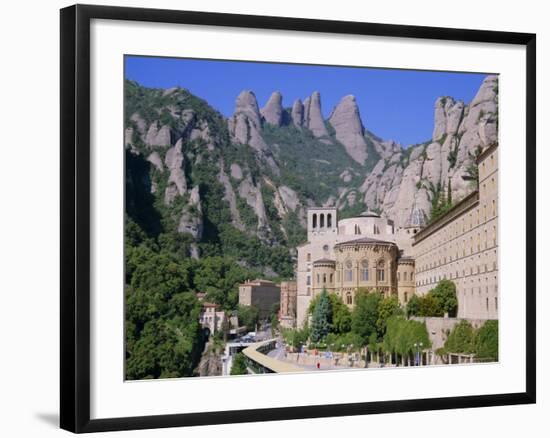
<point x="268" y="218"/>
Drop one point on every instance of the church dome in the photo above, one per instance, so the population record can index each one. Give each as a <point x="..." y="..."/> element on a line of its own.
<point x="369" y="213"/>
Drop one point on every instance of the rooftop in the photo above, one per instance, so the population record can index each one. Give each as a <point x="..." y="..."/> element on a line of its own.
<point x="365" y="240"/>
<point x="257" y="282"/>
<point x="369" y="213"/>
<point x="324" y="260"/>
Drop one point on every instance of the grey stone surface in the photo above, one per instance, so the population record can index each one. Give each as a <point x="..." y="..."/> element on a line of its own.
<point x="273" y="109"/>
<point x="346" y="121"/>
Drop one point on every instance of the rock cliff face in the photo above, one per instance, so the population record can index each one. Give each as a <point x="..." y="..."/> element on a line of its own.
<point x="313" y="117"/>
<point x="246" y="124"/>
<point x="266" y="167"/>
<point x="297" y="113"/>
<point x="459" y="130"/>
<point x="347" y="123"/>
<point x="273" y="109"/>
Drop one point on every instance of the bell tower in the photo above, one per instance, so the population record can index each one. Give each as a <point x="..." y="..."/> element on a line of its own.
<point x="321" y="222"/>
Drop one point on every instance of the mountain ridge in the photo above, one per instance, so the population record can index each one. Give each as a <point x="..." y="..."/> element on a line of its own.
<point x="263" y="167"/>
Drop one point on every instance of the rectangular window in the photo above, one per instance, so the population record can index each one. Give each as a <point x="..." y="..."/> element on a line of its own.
<point x="349" y="275"/>
<point x="308" y="281"/>
<point x="380" y="274"/>
<point x="365" y="275"/>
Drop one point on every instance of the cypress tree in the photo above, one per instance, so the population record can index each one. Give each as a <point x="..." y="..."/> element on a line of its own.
<point x="320" y="321"/>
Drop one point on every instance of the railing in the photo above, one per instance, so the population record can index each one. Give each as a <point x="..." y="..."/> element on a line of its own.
<point x="260" y="363"/>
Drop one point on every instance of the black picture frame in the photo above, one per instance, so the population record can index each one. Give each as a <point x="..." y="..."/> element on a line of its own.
<point x="75" y="217"/>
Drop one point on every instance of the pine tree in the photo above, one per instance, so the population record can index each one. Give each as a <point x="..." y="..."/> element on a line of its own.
<point x="320" y="321"/>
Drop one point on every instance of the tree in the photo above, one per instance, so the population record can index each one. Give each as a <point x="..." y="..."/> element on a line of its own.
<point x="414" y="305"/>
<point x="296" y="337"/>
<point x="365" y="314"/>
<point x="341" y="316"/>
<point x="461" y="339"/>
<point x="445" y="295"/>
<point x="438" y="301"/>
<point x="340" y="321"/>
<point x="320" y="321"/>
<point x="403" y="337"/>
<point x="248" y="316"/>
<point x="219" y="277"/>
<point x="387" y="308"/>
<point x="486" y="341"/>
<point x="239" y="365"/>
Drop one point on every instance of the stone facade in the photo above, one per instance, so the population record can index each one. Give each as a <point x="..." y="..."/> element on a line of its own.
<point x="367" y="243"/>
<point x="462" y="246"/>
<point x="262" y="294"/>
<point x="344" y="255"/>
<point x="213" y="319"/>
<point x="287" y="312"/>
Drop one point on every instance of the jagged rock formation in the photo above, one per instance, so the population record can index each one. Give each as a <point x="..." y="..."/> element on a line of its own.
<point x="297" y="113"/>
<point x="246" y="124"/>
<point x="191" y="218"/>
<point x="252" y="194"/>
<point x="313" y="117"/>
<point x="346" y="121"/>
<point x="158" y="135"/>
<point x="176" y="181"/>
<point x="273" y="109"/>
<point x="231" y="198"/>
<point x="264" y="173"/>
<point x="459" y="130"/>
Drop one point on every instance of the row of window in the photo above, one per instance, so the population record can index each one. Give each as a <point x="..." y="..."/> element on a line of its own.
<point x="465" y="224"/>
<point x="472" y="250"/>
<point x="405" y="276"/>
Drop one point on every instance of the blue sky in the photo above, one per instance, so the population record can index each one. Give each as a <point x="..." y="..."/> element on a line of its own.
<point x="394" y="104"/>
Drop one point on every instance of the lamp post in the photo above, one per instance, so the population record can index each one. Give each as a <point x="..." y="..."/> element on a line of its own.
<point x="417" y="346"/>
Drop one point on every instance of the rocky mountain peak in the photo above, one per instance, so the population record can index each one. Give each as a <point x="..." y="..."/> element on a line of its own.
<point x="313" y="117"/>
<point x="247" y="105"/>
<point x="346" y="121"/>
<point x="246" y="124"/>
<point x="447" y="117"/>
<point x="273" y="109"/>
<point x="297" y="113"/>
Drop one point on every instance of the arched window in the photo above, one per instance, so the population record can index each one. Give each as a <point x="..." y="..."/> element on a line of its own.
<point x="404" y="276"/>
<point x="314" y="221"/>
<point x="406" y="297"/>
<point x="321" y="220"/>
<point x="309" y="257"/>
<point x="318" y="279"/>
<point x="349" y="298"/>
<point x="381" y="271"/>
<point x="324" y="278"/>
<point x="329" y="220"/>
<point x="364" y="270"/>
<point x="331" y="278"/>
<point x="348" y="273"/>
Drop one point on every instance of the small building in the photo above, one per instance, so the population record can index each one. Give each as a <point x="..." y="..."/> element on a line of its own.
<point x="287" y="311"/>
<point x="262" y="294"/>
<point x="213" y="319"/>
